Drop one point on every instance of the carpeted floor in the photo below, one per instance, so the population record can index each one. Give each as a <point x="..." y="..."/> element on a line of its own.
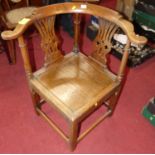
<point x="127" y="131"/>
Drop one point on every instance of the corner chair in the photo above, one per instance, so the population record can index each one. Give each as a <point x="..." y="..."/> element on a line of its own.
<point x="75" y="85"/>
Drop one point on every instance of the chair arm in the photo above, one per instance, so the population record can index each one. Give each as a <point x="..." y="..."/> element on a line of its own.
<point x="106" y="13"/>
<point x="20" y="29"/>
<point x="129" y="30"/>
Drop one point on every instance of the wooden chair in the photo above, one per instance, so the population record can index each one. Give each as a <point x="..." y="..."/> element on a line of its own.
<point x="74" y="84"/>
<point x="12" y="12"/>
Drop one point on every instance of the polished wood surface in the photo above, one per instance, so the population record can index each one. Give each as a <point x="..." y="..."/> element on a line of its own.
<point x="68" y="82"/>
<point x="96" y="10"/>
<point x="75" y="85"/>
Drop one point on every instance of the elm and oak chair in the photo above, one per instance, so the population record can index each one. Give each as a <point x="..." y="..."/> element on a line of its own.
<point x="75" y="85"/>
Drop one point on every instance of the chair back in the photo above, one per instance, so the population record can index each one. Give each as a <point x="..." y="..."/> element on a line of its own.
<point x="110" y="22"/>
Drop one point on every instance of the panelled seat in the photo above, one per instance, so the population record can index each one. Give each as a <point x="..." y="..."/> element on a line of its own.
<point x="75" y="84"/>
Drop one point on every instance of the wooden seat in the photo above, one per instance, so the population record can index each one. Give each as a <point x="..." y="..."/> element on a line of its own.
<point x="69" y="81"/>
<point x="75" y="84"/>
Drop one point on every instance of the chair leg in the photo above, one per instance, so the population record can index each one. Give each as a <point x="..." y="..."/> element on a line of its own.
<point x="113" y="101"/>
<point x="36" y="100"/>
<point x="11" y="50"/>
<point x="74" y="126"/>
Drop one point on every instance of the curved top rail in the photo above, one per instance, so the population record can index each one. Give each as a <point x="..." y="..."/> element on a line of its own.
<point x="72" y="7"/>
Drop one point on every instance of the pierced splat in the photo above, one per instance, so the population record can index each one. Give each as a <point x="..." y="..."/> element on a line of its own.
<point x="102" y="42"/>
<point x="49" y="40"/>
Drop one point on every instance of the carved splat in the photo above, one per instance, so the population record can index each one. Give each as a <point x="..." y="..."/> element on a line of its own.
<point x="49" y="40"/>
<point x="102" y="42"/>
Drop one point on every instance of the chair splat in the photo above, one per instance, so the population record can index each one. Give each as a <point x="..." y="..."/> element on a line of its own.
<point x="102" y="43"/>
<point x="49" y="40"/>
